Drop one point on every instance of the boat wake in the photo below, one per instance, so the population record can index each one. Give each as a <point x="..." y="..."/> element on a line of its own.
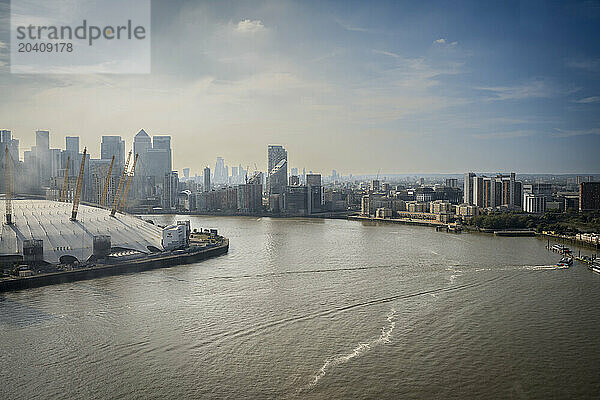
<point x="523" y="268"/>
<point x="243" y="332"/>
<point x="359" y="350"/>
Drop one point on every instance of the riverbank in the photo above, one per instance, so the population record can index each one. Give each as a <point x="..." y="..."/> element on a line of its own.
<point x="147" y="263"/>
<point x="570" y="239"/>
<point x="323" y="215"/>
<point x="406" y="221"/>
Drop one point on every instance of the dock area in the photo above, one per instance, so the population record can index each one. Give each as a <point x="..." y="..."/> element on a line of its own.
<point x="151" y="261"/>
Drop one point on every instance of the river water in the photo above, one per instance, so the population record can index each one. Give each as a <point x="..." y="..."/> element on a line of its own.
<point x="309" y="308"/>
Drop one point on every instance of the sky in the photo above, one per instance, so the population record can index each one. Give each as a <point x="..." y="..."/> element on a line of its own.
<point x="359" y="87"/>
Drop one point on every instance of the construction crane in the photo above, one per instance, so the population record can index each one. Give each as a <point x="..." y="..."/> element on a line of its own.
<point x="77" y="195"/>
<point x="107" y="183"/>
<point x="128" y="184"/>
<point x="118" y="193"/>
<point x="65" y="187"/>
<point x="8" y="179"/>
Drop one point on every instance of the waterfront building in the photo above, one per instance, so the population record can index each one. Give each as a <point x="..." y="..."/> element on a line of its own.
<point x="383" y="212"/>
<point x="534" y="203"/>
<point x="249" y="197"/>
<point x="440" y="207"/>
<point x="502" y="190"/>
<point x="371" y="202"/>
<point x="295" y="200"/>
<point x="170" y="190"/>
<point x="315" y="193"/>
<point x="417" y="207"/>
<point x="467" y="210"/>
<point x="468" y="188"/>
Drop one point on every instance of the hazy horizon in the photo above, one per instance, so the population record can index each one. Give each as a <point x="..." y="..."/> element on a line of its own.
<point x="402" y="88"/>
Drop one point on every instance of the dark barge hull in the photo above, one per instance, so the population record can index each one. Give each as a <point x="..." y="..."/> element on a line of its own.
<point x="112" y="269"/>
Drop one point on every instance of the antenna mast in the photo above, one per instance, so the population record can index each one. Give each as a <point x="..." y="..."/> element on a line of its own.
<point x="128" y="184"/>
<point x="8" y="178"/>
<point x="77" y="195"/>
<point x="107" y="183"/>
<point x="65" y="188"/>
<point x="118" y="193"/>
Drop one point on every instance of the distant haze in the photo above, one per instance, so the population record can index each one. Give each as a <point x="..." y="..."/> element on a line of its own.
<point x="360" y="87"/>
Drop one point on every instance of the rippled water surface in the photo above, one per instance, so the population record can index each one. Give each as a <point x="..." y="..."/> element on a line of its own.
<point x="315" y="309"/>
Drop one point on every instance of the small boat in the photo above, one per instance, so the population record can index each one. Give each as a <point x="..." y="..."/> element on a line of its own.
<point x="595" y="267"/>
<point x="559" y="248"/>
<point x="565" y="262"/>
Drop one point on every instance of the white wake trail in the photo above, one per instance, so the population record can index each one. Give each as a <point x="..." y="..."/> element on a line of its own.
<point x="384" y="337"/>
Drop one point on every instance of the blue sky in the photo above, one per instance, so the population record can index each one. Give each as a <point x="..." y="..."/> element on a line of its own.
<point x="401" y="87"/>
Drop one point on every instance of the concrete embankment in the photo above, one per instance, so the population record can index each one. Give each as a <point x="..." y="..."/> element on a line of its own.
<point x="143" y="264"/>
<point x="406" y="221"/>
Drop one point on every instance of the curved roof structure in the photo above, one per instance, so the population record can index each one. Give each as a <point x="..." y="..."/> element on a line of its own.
<point x="49" y="221"/>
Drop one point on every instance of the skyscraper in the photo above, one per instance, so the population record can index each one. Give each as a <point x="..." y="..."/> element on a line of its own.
<point x="141" y="143"/>
<point x="315" y="193"/>
<point x="113" y="146"/>
<point x="7" y="140"/>
<point x="72" y="144"/>
<point x="206" y="179"/>
<point x="163" y="143"/>
<point x="220" y="171"/>
<point x="42" y="157"/>
<point x="468" y="188"/>
<point x="157" y="159"/>
<point x="5" y="136"/>
<point x="277" y="174"/>
<point x="42" y="140"/>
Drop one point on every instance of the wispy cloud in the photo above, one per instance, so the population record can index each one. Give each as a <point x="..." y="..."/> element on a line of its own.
<point x="349" y="27"/>
<point x="250" y="26"/>
<point x="445" y="41"/>
<point x="587" y="100"/>
<point x="504" y="134"/>
<point x="535" y="89"/>
<point x="576" y="132"/>
<point x="386" y="53"/>
<point x="590" y="65"/>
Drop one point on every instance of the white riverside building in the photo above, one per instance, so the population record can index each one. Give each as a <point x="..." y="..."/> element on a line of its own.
<point x="50" y="222"/>
<point x="534" y="203"/>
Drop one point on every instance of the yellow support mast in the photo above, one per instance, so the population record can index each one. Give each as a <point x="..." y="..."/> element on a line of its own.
<point x="65" y="187"/>
<point x="118" y="193"/>
<point x="128" y="184"/>
<point x="77" y="195"/>
<point x="8" y="181"/>
<point x="107" y="183"/>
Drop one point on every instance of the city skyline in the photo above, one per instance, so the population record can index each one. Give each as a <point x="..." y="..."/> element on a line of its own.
<point x="476" y="86"/>
<point x="58" y="141"/>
